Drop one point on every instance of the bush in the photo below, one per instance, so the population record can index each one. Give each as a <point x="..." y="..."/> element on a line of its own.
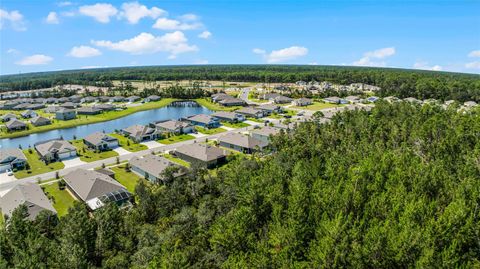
<point x="61" y="185"/>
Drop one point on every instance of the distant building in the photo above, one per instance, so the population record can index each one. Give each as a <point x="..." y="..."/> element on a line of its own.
<point x="302" y="102"/>
<point x="15" y="125"/>
<point x="270" y="108"/>
<point x="205" y="155"/>
<point x="251" y="112"/>
<point x="232" y="102"/>
<point x="65" y="114"/>
<point x="282" y="100"/>
<point x="241" y="143"/>
<point x="228" y="116"/>
<point x="40" y="121"/>
<point x="89" y="110"/>
<point x="152" y="98"/>
<point x="263" y="134"/>
<point x="8" y="117"/>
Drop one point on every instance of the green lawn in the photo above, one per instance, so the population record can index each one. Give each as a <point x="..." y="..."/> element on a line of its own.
<point x="127" y="179"/>
<point x="256" y="120"/>
<point x="37" y="166"/>
<point x="209" y="131"/>
<point x="176" y="160"/>
<point x="317" y="106"/>
<point x="235" y="125"/>
<point x="285" y="113"/>
<point x="88" y="155"/>
<point x="176" y="139"/>
<point x="256" y="100"/>
<point x="128" y="143"/>
<point x="88" y="119"/>
<point x="62" y="200"/>
<point x="214" y="106"/>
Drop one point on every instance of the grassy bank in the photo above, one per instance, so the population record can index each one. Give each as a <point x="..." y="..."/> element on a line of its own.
<point x="209" y="131"/>
<point x="213" y="106"/>
<point x="128" y="143"/>
<point x="176" y="160"/>
<point x="62" y="200"/>
<point x="37" y="166"/>
<point x="235" y="125"/>
<point x="88" y="119"/>
<point x="176" y="139"/>
<point x="88" y="155"/>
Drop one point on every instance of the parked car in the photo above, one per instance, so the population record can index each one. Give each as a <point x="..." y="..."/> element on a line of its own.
<point x="9" y="172"/>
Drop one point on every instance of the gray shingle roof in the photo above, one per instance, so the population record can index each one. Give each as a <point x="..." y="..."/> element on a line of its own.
<point x="40" y="120"/>
<point x="266" y="131"/>
<point x="202" y="152"/>
<point x="29" y="194"/>
<point x="153" y="164"/>
<point x="59" y="146"/>
<point x="138" y="130"/>
<point x="172" y="124"/>
<point x="244" y="141"/>
<point x="15" y="153"/>
<point x="14" y="123"/>
<point x="99" y="137"/>
<point x="225" y="115"/>
<point x="88" y="184"/>
<point x="206" y="119"/>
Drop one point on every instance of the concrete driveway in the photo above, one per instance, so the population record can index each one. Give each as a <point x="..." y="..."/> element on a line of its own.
<point x="151" y="144"/>
<point x="4" y="178"/>
<point x="121" y="151"/>
<point x="73" y="162"/>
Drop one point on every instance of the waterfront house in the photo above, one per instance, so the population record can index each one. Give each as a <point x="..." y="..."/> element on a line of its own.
<point x="174" y="127"/>
<point x="152" y="167"/>
<point x="52" y="109"/>
<point x="152" y="98"/>
<point x="133" y="98"/>
<point x="139" y="133"/>
<point x="55" y="149"/>
<point x="15" y="125"/>
<point x="69" y="105"/>
<point x="27" y="114"/>
<point x="302" y="102"/>
<point x="65" y="114"/>
<point x="105" y="107"/>
<point x="264" y="133"/>
<point x="203" y="120"/>
<point x="97" y="189"/>
<point x="89" y="110"/>
<point x="270" y="108"/>
<point x="228" y="116"/>
<point x="28" y="194"/>
<point x="205" y="155"/>
<point x="242" y="143"/>
<point x="12" y="159"/>
<point x="251" y="112"/>
<point x="117" y="99"/>
<point x="104" y="99"/>
<point x="40" y="121"/>
<point x="232" y="102"/>
<point x="100" y="141"/>
<point x="8" y="117"/>
<point x="88" y="99"/>
<point x="220" y="97"/>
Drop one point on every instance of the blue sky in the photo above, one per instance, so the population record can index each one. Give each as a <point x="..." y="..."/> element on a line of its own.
<point x="43" y="35"/>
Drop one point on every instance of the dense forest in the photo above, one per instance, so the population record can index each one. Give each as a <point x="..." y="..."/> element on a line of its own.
<point x="397" y="187"/>
<point x="397" y="82"/>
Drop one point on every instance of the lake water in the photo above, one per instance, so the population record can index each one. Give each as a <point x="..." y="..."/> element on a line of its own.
<point x="174" y="111"/>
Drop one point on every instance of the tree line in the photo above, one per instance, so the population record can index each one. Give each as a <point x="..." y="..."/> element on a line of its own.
<point x="396" y="82"/>
<point x="397" y="187"/>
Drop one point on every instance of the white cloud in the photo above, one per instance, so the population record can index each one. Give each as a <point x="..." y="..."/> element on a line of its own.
<point x="169" y="24"/>
<point x="205" y="35"/>
<point x="13" y="51"/>
<point x="173" y="43"/>
<point x="64" y="4"/>
<point x="282" y="55"/>
<point x="425" y="66"/>
<point x="189" y="17"/>
<point x="52" y="18"/>
<point x="101" y="12"/>
<point x="84" y="52"/>
<point x="134" y="12"/>
<point x="473" y="65"/>
<point x="474" y="53"/>
<point x="36" y="59"/>
<point x="12" y="18"/>
<point x="369" y="58"/>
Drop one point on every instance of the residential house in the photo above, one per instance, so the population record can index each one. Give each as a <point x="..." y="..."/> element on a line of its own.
<point x="75" y="98"/>
<point x="251" y="112"/>
<point x="139" y="133"/>
<point x="269" y="96"/>
<point x="27" y="114"/>
<point x="89" y="110"/>
<point x="263" y="134"/>
<point x="391" y="99"/>
<point x="65" y="114"/>
<point x="152" y="167"/>
<point x="62" y="100"/>
<point x="69" y="105"/>
<point x="302" y="102"/>
<point x="21" y="106"/>
<point x="117" y="99"/>
<point x="232" y="102"/>
<point x="55" y="149"/>
<point x="15" y="125"/>
<point x="52" y="109"/>
<point x="88" y="99"/>
<point x="12" y="159"/>
<point x="352" y="99"/>
<point x="174" y="127"/>
<point x="242" y="143"/>
<point x="282" y="100"/>
<point x="51" y="100"/>
<point x="100" y="141"/>
<point x="104" y="99"/>
<point x="152" y="98"/>
<point x="107" y="172"/>
<point x="10" y="104"/>
<point x="220" y="97"/>
<point x="205" y="155"/>
<point x="8" y="117"/>
<point x="133" y="98"/>
<point x="40" y="121"/>
<point x="228" y="116"/>
<point x="97" y="189"/>
<point x="372" y="99"/>
<point x="28" y="194"/>
<point x="203" y="120"/>
<point x="105" y="107"/>
<point x="35" y="106"/>
<point x="335" y="100"/>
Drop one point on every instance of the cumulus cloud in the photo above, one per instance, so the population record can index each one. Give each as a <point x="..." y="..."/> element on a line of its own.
<point x="170" y="24"/>
<point x="52" y="18"/>
<point x="13" y="51"/>
<point x="64" y="4"/>
<point x="37" y="59"/>
<point x="282" y="55"/>
<point x="473" y="65"/>
<point x="101" y="12"/>
<point x="145" y="43"/>
<point x="84" y="52"/>
<point x="189" y="17"/>
<point x="134" y="12"/>
<point x="205" y="35"/>
<point x="474" y="53"/>
<point x="371" y="58"/>
<point x="425" y="66"/>
<point x="13" y="19"/>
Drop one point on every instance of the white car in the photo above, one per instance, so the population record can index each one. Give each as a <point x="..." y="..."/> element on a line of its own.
<point x="9" y="172"/>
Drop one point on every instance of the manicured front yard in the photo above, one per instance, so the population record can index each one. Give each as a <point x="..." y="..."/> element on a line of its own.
<point x="176" y="139"/>
<point x="176" y="160"/>
<point x="214" y="106"/>
<point x="37" y="166"/>
<point x="285" y="113"/>
<point x="317" y="106"/>
<point x="256" y="120"/>
<point x="88" y="155"/>
<point x="62" y="200"/>
<point x="235" y="125"/>
<point x="209" y="131"/>
<point x="128" y="143"/>
<point x="127" y="179"/>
